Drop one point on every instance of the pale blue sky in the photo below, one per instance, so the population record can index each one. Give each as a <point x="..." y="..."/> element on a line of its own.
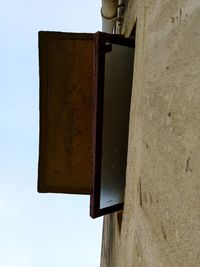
<point x="37" y="230"/>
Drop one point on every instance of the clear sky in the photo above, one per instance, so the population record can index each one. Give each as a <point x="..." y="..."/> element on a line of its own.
<point x="37" y="230"/>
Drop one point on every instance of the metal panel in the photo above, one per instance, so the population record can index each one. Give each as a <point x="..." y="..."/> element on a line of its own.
<point x="117" y="95"/>
<point x="66" y="71"/>
<point x="112" y="106"/>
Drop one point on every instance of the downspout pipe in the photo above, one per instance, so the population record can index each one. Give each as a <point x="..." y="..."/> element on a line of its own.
<point x="109" y="14"/>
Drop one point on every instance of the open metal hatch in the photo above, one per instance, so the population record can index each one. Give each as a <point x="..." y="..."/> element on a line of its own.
<point x="85" y="91"/>
<point x="112" y="93"/>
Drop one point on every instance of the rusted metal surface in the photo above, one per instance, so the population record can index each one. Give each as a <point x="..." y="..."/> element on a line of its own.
<point x="66" y="73"/>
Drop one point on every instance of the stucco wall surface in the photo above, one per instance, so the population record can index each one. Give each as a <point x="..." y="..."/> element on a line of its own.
<point x="161" y="218"/>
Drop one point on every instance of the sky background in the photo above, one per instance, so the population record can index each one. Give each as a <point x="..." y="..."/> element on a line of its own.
<point x="37" y="230"/>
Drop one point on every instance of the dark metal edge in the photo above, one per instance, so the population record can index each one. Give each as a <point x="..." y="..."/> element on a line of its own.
<point x="117" y="39"/>
<point x="99" y="65"/>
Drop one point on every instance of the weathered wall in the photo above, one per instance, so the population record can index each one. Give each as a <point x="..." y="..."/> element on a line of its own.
<point x="161" y="218"/>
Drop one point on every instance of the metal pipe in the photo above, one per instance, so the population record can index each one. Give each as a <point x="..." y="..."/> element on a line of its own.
<point x="109" y="13"/>
<point x="120" y="15"/>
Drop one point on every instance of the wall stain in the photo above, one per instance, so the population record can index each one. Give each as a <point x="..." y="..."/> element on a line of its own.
<point x="140" y="192"/>
<point x="151" y="198"/>
<point x="180" y="13"/>
<point x="163" y="231"/>
<point x="187" y="168"/>
<point x="172" y="19"/>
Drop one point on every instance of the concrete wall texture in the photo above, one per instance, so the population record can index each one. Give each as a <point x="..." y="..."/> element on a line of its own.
<point x="160" y="224"/>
